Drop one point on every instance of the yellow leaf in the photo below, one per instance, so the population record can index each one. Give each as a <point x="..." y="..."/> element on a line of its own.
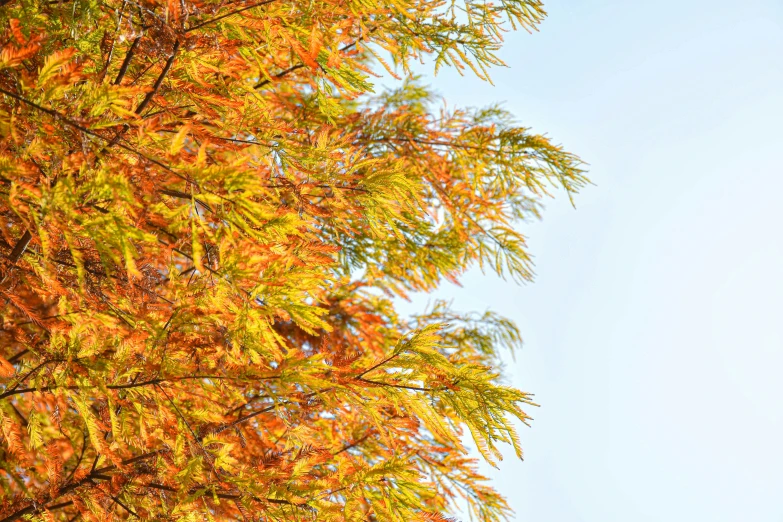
<point x="53" y="63"/>
<point x="179" y="140"/>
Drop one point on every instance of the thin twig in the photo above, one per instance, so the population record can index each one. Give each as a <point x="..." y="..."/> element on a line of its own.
<point x="17" y="252"/>
<point x="89" y="132"/>
<point x="18" y="355"/>
<point x="110" y="54"/>
<point x="300" y="65"/>
<point x="129" y="510"/>
<point x="151" y="382"/>
<point x="226" y="15"/>
<point x="403" y="386"/>
<point x="20" y="247"/>
<point x="371" y="368"/>
<point x="353" y="444"/>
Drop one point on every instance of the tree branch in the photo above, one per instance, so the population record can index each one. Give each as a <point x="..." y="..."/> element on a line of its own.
<point x="151" y="382"/>
<point x="371" y="368"/>
<point x="126" y="62"/>
<point x="353" y="444"/>
<point x="300" y="65"/>
<point x="40" y="505"/>
<point x="89" y="132"/>
<point x="166" y="68"/>
<point x="17" y="252"/>
<point x="126" y="508"/>
<point x="20" y="247"/>
<point x="226" y="15"/>
<point x="415" y="388"/>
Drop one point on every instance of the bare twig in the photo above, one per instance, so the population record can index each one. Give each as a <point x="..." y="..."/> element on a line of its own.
<point x="89" y="132"/>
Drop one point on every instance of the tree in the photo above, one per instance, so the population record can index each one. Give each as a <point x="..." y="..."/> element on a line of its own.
<point x="205" y="215"/>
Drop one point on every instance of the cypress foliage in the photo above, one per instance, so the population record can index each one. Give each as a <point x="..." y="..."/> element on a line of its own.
<point x="205" y="214"/>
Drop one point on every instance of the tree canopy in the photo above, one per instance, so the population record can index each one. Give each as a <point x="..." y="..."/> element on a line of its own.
<point x="207" y="210"/>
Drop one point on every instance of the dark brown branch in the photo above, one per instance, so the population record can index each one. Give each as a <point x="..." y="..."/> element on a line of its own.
<point x="332" y="492"/>
<point x="18" y="355"/>
<point x="19" y="414"/>
<point x="48" y="317"/>
<point x="151" y="382"/>
<point x="79" y="460"/>
<point x="353" y="444"/>
<point x="98" y="273"/>
<point x="20" y="247"/>
<point x="144" y="71"/>
<point x="155" y="113"/>
<point x="279" y="75"/>
<point x="50" y="388"/>
<point x="110" y="54"/>
<point x="60" y="505"/>
<point x="246" y="418"/>
<point x="41" y="505"/>
<point x="28" y="374"/>
<point x="126" y="62"/>
<point x="154" y="485"/>
<point x="17" y="252"/>
<point x="166" y="68"/>
<point x="143" y="456"/>
<point x="228" y="496"/>
<point x="436" y="143"/>
<point x="300" y="65"/>
<point x="100" y="474"/>
<point x="126" y="508"/>
<point x="415" y="388"/>
<point x="371" y="368"/>
<point x="249" y="416"/>
<point x="322" y="185"/>
<point x="183" y="195"/>
<point x="147" y="99"/>
<point x="255" y="397"/>
<point x="176" y="409"/>
<point x="226" y="15"/>
<point x="31" y="509"/>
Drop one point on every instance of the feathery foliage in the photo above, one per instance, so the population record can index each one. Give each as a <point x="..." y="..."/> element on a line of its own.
<point x="205" y="215"/>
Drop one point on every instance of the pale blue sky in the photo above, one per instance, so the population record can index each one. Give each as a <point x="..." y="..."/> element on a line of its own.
<point x="654" y="336"/>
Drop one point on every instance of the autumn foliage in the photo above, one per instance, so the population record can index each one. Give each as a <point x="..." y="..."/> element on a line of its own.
<point x="206" y="212"/>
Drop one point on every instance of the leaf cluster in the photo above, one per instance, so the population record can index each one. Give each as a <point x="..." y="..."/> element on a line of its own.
<point x="206" y="213"/>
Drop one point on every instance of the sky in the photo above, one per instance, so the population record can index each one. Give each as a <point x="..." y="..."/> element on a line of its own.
<point x="653" y="331"/>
